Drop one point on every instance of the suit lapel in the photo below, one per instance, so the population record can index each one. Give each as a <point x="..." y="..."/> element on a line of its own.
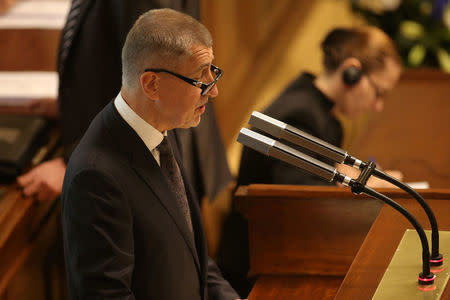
<point x="144" y="164"/>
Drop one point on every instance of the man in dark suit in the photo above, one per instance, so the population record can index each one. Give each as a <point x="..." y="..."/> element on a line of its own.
<point x="89" y="69"/>
<point x="132" y="228"/>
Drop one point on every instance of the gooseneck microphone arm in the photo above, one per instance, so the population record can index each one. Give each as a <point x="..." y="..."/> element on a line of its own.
<point x="436" y="258"/>
<point x="426" y="273"/>
<point x="289" y="133"/>
<point x="294" y="157"/>
<point x="358" y="186"/>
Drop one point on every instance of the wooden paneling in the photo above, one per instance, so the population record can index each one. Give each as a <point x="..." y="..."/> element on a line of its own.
<point x="5" y="5"/>
<point x="304" y="229"/>
<point x="28" y="49"/>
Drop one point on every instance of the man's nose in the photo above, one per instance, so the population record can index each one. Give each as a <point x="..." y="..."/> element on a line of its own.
<point x="213" y="92"/>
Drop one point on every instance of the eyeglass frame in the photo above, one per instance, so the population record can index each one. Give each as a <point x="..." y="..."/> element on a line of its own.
<point x="205" y="87"/>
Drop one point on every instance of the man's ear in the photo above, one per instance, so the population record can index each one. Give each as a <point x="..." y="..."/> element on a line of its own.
<point x="149" y="82"/>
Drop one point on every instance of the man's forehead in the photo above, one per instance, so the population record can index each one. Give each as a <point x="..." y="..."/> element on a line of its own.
<point x="201" y="52"/>
<point x="201" y="57"/>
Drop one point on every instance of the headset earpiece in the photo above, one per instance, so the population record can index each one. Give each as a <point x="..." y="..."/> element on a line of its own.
<point x="351" y="75"/>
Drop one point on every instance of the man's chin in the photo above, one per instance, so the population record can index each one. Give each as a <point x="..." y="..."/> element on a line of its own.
<point x="193" y="123"/>
<point x="197" y="121"/>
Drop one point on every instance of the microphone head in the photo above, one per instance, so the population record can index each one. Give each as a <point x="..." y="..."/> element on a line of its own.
<point x="267" y="124"/>
<point x="255" y="141"/>
<point x="281" y="130"/>
<point x="285" y="153"/>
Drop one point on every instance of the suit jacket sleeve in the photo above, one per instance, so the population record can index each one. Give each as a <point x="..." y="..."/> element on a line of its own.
<point x="98" y="237"/>
<point x="218" y="287"/>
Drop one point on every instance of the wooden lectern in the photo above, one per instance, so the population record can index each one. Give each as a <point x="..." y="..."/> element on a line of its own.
<point x="303" y="239"/>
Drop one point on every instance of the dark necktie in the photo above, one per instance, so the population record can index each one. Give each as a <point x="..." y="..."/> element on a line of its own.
<point x="172" y="172"/>
<point x="69" y="30"/>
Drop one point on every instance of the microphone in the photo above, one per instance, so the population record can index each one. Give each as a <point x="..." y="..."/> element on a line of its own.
<point x="290" y="155"/>
<point x="273" y="148"/>
<point x="296" y="136"/>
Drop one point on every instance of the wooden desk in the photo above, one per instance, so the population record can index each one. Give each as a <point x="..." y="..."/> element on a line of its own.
<point x="20" y="225"/>
<point x="290" y="270"/>
<point x="304" y="229"/>
<point x="14" y="234"/>
<point x="303" y="238"/>
<point x="311" y="287"/>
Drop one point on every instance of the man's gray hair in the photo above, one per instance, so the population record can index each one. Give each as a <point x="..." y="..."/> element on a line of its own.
<point x="160" y="38"/>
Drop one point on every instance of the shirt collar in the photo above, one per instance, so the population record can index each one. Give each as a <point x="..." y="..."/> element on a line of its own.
<point x="148" y="134"/>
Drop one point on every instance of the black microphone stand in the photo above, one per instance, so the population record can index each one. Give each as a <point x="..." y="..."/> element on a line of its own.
<point x="296" y="158"/>
<point x="358" y="186"/>
<point x="436" y="258"/>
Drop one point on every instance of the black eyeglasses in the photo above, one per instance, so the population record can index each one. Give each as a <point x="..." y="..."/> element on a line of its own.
<point x="205" y="87"/>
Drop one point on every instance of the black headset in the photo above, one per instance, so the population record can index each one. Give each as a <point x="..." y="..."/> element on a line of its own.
<point x="352" y="75"/>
